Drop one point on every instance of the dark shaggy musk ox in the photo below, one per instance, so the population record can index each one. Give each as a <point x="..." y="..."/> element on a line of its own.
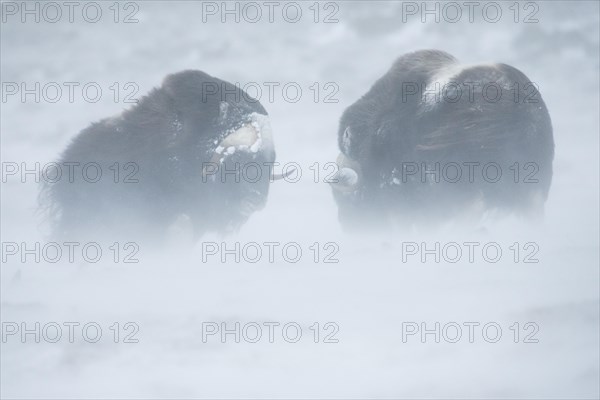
<point x="434" y="141"/>
<point x="197" y="149"/>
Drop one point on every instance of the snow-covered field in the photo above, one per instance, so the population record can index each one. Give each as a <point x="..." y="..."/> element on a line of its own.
<point x="367" y="303"/>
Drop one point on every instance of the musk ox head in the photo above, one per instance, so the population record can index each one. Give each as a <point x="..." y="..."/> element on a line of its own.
<point x="434" y="139"/>
<point x="196" y="146"/>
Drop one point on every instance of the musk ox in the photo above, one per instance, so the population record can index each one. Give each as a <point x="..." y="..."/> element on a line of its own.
<point x="196" y="149"/>
<point x="434" y="141"/>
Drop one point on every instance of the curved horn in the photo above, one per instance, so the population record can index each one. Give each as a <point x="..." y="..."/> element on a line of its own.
<point x="277" y="177"/>
<point x="346" y="180"/>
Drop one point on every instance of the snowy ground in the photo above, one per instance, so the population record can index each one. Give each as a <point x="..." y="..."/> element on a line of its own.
<point x="371" y="294"/>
